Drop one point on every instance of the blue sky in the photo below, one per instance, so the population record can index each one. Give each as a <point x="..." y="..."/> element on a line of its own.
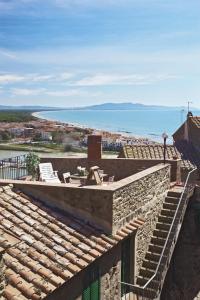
<point x="81" y="52"/>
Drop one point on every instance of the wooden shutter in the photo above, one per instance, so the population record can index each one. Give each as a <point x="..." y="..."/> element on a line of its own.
<point x="92" y="292"/>
<point x="86" y="294"/>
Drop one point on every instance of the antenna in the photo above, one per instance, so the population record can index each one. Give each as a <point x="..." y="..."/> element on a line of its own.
<point x="189" y="102"/>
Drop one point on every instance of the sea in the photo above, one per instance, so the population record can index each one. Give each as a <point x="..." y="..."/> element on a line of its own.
<point x="139" y="123"/>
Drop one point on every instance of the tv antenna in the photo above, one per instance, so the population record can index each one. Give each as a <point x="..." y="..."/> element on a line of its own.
<point x="189" y="102"/>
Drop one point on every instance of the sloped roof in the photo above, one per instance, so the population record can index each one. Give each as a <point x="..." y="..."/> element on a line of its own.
<point x="196" y="121"/>
<point x="182" y="151"/>
<point x="7" y="240"/>
<point x="49" y="247"/>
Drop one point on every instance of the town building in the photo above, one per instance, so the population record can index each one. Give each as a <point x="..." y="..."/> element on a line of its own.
<point x="46" y="136"/>
<point x="16" y="131"/>
<point x="189" y="131"/>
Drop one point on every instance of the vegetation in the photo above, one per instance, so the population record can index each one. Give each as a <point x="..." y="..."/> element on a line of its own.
<point x="32" y="162"/>
<point x="68" y="148"/>
<point x="5" y="136"/>
<point x="37" y="137"/>
<point x="16" y="116"/>
<point x="15" y="147"/>
<point x="58" y="137"/>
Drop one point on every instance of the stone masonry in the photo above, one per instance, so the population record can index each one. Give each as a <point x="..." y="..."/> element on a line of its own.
<point x="143" y="197"/>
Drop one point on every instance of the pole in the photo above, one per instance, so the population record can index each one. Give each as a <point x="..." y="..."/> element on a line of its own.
<point x="165" y="150"/>
<point x="165" y="136"/>
<point x="189" y="102"/>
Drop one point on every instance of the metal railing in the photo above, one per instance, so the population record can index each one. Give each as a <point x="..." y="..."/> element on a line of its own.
<point x="152" y="288"/>
<point x="13" y="167"/>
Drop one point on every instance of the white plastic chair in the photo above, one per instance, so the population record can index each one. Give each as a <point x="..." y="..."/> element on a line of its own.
<point x="111" y="179"/>
<point x="47" y="174"/>
<point x="66" y="177"/>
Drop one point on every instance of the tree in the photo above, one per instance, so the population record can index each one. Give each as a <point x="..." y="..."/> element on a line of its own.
<point x="6" y="136"/>
<point x="32" y="162"/>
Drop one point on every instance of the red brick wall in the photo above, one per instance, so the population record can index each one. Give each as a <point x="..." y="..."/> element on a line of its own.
<point x="94" y="147"/>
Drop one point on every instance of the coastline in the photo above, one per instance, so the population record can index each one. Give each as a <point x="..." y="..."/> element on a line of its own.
<point x="122" y="134"/>
<point x="37" y="115"/>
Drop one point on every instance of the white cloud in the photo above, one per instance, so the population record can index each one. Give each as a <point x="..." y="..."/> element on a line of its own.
<point x="46" y="92"/>
<point x="116" y="79"/>
<point x="65" y="75"/>
<point x="50" y="77"/>
<point x="34" y="78"/>
<point x="10" y="78"/>
<point x="39" y="78"/>
<point x="107" y="57"/>
<point x="66" y="93"/>
<point x="26" y="92"/>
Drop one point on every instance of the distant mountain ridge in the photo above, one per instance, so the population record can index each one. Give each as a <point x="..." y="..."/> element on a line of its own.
<point x="131" y="106"/>
<point x="103" y="106"/>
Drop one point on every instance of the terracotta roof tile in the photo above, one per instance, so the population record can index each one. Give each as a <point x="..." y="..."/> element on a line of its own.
<point x="43" y="248"/>
<point x="196" y="121"/>
<point x="181" y="150"/>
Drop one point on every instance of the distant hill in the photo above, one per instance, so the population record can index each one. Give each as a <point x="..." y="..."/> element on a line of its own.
<point x="131" y="106"/>
<point x="104" y="106"/>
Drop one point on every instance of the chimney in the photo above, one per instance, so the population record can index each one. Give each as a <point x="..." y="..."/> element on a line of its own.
<point x="94" y="147"/>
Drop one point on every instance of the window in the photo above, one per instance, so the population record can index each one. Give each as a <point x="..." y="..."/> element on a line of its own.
<point x="92" y="291"/>
<point x="125" y="264"/>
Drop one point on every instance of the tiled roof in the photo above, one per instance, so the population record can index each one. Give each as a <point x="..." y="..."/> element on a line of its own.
<point x="196" y="121"/>
<point x="49" y="248"/>
<point x="7" y="240"/>
<point x="157" y="152"/>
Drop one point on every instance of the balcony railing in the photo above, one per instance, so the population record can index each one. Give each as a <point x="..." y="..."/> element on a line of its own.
<point x="152" y="289"/>
<point x="13" y="167"/>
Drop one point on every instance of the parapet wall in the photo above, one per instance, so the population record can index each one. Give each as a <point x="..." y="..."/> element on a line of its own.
<point x="119" y="167"/>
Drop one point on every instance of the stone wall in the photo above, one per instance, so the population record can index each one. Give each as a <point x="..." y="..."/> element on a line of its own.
<point x="134" y="196"/>
<point x="119" y="167"/>
<point x="142" y="197"/>
<point x="110" y="288"/>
